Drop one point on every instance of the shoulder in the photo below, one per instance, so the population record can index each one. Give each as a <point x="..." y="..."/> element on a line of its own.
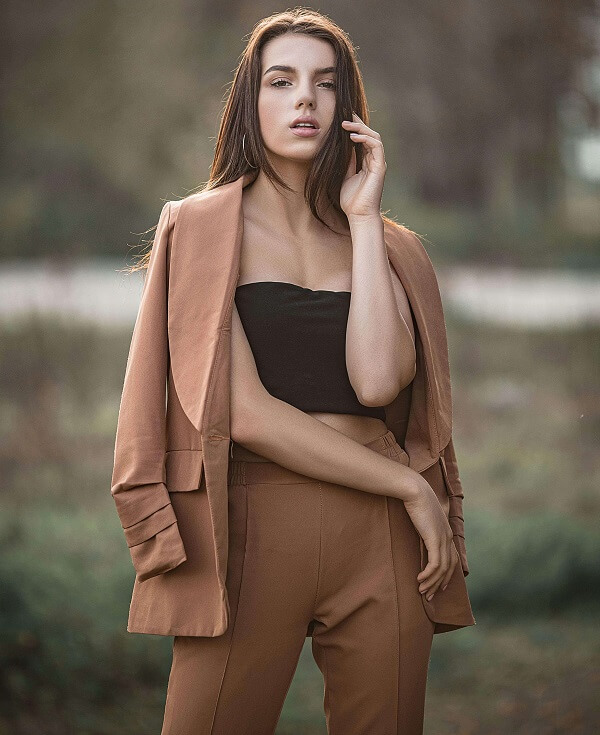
<point x="205" y="202"/>
<point x="401" y="239"/>
<point x="176" y="205"/>
<point x="409" y="257"/>
<point x="407" y="246"/>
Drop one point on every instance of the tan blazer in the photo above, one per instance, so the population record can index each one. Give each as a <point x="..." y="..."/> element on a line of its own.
<point x="171" y="459"/>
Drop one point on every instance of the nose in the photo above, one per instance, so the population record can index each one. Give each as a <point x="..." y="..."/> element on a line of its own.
<point x="306" y="96"/>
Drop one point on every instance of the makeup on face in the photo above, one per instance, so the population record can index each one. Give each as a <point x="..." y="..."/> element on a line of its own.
<point x="305" y="132"/>
<point x="296" y="94"/>
<point x="305" y="126"/>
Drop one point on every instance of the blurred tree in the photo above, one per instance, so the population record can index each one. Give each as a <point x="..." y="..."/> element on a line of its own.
<point x="109" y="107"/>
<point x="476" y="87"/>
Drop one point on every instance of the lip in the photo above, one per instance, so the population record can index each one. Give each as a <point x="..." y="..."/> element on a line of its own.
<point x="305" y="132"/>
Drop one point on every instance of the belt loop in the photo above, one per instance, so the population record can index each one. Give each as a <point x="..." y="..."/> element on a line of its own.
<point x="237" y="473"/>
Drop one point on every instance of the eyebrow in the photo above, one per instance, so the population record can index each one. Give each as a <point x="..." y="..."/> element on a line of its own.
<point x="293" y="70"/>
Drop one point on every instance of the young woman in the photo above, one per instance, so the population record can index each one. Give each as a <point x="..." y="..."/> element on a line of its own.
<point x="307" y="351"/>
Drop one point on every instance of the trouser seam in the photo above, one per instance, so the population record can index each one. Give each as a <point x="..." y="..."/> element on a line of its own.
<point x="387" y="505"/>
<point x="168" y="698"/>
<point x="320" y="548"/>
<point x="326" y="691"/>
<point x="237" y="609"/>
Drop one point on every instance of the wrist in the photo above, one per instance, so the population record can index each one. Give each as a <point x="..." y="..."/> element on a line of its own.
<point x="360" y="220"/>
<point x="405" y="485"/>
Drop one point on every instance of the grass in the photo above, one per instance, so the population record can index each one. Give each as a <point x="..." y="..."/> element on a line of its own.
<point x="527" y="414"/>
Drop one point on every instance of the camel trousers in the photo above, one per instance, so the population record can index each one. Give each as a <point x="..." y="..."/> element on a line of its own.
<point x="309" y="558"/>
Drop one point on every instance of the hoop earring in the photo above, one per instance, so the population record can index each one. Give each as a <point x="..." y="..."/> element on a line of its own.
<point x="244" y="151"/>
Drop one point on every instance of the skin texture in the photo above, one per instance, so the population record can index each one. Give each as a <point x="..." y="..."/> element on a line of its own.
<point x="283" y="242"/>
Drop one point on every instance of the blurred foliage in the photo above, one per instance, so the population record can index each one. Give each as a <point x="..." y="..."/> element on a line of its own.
<point x="111" y="108"/>
<point x="68" y="662"/>
<point x="530" y="468"/>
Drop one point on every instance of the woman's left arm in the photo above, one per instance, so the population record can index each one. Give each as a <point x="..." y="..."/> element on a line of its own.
<point x="380" y="348"/>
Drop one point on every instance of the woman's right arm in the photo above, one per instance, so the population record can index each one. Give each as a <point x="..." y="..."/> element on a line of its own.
<point x="294" y="439"/>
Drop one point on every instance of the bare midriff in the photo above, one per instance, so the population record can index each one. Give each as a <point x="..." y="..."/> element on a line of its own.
<point x="267" y="255"/>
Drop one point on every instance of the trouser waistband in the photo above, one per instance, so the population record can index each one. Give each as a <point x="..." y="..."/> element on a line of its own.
<point x="244" y="473"/>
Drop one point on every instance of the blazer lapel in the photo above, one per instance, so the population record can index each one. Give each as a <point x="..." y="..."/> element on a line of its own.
<point x="204" y="270"/>
<point x="204" y="267"/>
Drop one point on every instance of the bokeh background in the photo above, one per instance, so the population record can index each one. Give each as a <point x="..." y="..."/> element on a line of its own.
<point x="490" y="116"/>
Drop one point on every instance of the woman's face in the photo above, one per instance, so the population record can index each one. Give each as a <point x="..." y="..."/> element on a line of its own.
<point x="305" y="87"/>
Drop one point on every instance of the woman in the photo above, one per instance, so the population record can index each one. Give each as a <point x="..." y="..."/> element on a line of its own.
<point x="329" y="518"/>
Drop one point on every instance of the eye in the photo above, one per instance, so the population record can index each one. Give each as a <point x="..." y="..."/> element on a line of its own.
<point x="283" y="82"/>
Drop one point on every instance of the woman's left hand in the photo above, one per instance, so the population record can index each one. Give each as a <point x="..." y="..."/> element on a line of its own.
<point x="360" y="194"/>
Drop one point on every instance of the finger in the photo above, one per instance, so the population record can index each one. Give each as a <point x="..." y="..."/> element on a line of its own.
<point x="437" y="581"/>
<point x="370" y="139"/>
<point x="427" y="574"/>
<point x="453" y="563"/>
<point x="361" y="129"/>
<point x="431" y="584"/>
<point x="375" y="146"/>
<point x="358" y="125"/>
<point x="424" y="573"/>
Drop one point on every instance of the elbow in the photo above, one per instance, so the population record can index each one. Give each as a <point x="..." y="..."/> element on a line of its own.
<point x="379" y="387"/>
<point x="376" y="397"/>
<point x="382" y="393"/>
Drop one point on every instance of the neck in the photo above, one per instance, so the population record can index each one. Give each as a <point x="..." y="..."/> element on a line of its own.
<point x="288" y="211"/>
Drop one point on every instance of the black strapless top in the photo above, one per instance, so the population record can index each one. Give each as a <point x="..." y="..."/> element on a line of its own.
<point x="298" y="339"/>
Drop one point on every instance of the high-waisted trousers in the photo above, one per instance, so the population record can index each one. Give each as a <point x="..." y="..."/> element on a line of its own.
<point x="310" y="558"/>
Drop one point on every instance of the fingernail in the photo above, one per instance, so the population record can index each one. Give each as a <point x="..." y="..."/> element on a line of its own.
<point x="444" y="587"/>
<point x="430" y="596"/>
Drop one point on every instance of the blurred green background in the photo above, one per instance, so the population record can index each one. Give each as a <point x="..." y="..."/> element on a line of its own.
<point x="490" y="116"/>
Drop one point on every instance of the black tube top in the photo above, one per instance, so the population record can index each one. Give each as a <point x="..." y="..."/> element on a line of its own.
<point x="298" y="339"/>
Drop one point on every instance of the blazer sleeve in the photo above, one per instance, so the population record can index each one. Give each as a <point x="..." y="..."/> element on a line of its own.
<point x="456" y="518"/>
<point x="138" y="479"/>
<point x="448" y="454"/>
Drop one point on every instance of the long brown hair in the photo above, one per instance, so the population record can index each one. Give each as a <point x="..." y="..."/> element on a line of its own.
<point x="240" y="115"/>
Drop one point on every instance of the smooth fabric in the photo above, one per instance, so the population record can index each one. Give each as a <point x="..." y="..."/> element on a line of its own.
<point x="169" y="480"/>
<point x="310" y="558"/>
<point x="298" y="338"/>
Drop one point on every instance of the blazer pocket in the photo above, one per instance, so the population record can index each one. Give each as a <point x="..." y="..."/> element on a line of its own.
<point x="184" y="470"/>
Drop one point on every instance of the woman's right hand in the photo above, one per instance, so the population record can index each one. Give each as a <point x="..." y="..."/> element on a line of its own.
<point x="429" y="519"/>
